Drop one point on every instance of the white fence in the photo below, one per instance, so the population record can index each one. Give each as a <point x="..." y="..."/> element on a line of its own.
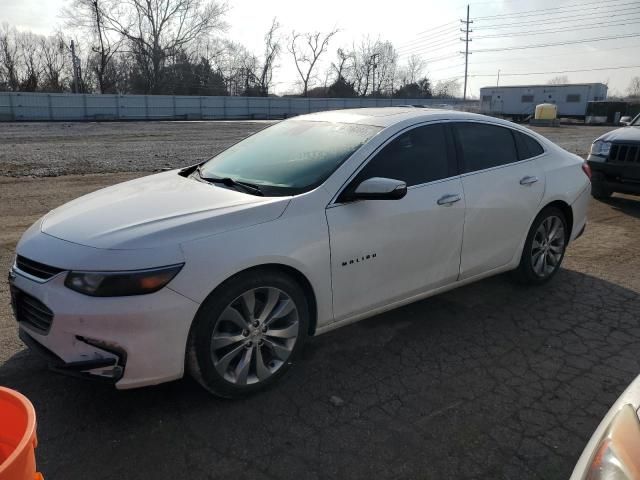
<point x="67" y="106"/>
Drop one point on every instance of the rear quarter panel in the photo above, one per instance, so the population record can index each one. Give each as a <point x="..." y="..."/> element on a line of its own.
<point x="566" y="181"/>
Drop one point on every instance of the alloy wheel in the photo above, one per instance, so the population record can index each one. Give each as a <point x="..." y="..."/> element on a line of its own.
<point x="255" y="335"/>
<point x="548" y="246"/>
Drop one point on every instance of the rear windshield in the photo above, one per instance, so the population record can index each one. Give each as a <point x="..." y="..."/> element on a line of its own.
<point x="290" y="157"/>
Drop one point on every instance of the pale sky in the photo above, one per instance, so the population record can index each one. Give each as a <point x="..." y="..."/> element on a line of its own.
<point x="428" y="28"/>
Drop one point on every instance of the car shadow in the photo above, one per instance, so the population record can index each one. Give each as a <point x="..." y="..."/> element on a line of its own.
<point x="490" y="380"/>
<point x="627" y="204"/>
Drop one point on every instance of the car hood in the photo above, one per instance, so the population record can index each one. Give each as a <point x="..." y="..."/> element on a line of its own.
<point x="626" y="134"/>
<point x="156" y="211"/>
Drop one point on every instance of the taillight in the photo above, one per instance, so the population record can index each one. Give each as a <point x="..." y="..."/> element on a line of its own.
<point x="586" y="169"/>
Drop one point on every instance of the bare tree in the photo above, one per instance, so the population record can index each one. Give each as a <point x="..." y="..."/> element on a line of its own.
<point x="412" y="71"/>
<point x="306" y="49"/>
<point x="371" y="67"/>
<point x="158" y="29"/>
<point x="238" y="66"/>
<point x="448" y="88"/>
<point x="359" y="67"/>
<point x="8" y="59"/>
<point x="634" y="87"/>
<point x="271" y="52"/>
<point x="29" y="54"/>
<point x="385" y="62"/>
<point x="211" y="49"/>
<point x="340" y="66"/>
<point x="558" y="80"/>
<point x="87" y="15"/>
<point x="52" y="52"/>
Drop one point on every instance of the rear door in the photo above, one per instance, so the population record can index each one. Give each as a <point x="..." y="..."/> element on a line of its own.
<point x="387" y="250"/>
<point x="502" y="191"/>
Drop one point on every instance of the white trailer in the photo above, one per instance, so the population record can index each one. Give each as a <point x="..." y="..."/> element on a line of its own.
<point x="519" y="101"/>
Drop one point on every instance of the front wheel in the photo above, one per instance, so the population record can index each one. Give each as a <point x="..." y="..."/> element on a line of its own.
<point x="544" y="247"/>
<point x="599" y="189"/>
<point x="600" y="192"/>
<point x="248" y="333"/>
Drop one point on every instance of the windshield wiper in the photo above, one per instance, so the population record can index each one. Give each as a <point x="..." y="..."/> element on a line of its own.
<point x="230" y="182"/>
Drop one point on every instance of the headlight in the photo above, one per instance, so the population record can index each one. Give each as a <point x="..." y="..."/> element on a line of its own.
<point x="121" y="284"/>
<point x="617" y="456"/>
<point x="600" y="147"/>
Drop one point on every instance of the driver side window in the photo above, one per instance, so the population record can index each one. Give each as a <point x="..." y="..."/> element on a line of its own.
<point x="415" y="157"/>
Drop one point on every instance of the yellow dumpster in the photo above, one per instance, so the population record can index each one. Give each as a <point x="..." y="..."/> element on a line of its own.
<point x="546" y="111"/>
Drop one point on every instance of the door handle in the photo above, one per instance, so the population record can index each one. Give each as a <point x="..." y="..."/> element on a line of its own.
<point x="528" y="180"/>
<point x="449" y="199"/>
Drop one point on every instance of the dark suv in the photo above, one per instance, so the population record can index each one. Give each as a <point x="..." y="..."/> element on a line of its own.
<point x="615" y="161"/>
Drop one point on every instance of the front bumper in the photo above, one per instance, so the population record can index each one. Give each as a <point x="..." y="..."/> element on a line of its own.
<point x="132" y="341"/>
<point x="617" y="177"/>
<point x="103" y="367"/>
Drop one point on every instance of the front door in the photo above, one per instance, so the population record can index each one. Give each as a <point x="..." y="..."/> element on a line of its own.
<point x="387" y="250"/>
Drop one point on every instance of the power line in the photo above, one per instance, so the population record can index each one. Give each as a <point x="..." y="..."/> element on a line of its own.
<point x="430" y="38"/>
<point x="503" y="58"/>
<point x="429" y="45"/>
<point x="420" y="43"/>
<point x="440" y="58"/>
<point x="571" y="42"/>
<point x="453" y="22"/>
<point x="561" y="20"/>
<point x="460" y="65"/>
<point x="428" y="50"/>
<point x="558" y="71"/>
<point x="555" y="30"/>
<point x="563" y="9"/>
<point x="449" y="44"/>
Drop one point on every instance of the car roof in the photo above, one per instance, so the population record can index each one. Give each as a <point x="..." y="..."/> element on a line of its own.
<point x="387" y="116"/>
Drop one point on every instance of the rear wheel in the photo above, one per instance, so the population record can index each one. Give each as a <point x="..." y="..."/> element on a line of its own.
<point x="248" y="333"/>
<point x="544" y="247"/>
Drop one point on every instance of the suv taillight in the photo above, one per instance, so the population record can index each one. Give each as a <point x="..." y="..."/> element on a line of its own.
<point x="586" y="169"/>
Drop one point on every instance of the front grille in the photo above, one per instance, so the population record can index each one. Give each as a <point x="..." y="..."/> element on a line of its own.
<point x="625" y="153"/>
<point x="38" y="270"/>
<point x="31" y="311"/>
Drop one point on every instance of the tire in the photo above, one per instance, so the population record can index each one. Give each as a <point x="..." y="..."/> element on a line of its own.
<point x="543" y="252"/>
<point x="248" y="333"/>
<point x="599" y="191"/>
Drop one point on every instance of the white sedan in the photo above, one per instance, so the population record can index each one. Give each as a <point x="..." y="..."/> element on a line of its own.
<point x="223" y="269"/>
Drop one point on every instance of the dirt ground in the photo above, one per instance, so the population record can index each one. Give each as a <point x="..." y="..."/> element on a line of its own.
<point x="492" y="380"/>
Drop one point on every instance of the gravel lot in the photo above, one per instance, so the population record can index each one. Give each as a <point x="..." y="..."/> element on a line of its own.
<point x="492" y="380"/>
<point x="52" y="149"/>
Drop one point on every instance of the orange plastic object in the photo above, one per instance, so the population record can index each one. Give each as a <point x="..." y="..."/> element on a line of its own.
<point x="17" y="437"/>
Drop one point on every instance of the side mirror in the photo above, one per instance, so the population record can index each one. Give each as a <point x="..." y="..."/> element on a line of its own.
<point x="378" y="188"/>
<point x="625" y="121"/>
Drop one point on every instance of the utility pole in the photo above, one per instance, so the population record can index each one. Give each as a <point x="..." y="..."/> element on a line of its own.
<point x="466" y="41"/>
<point x="374" y="59"/>
<point x="498" y="80"/>
<point x="74" y="62"/>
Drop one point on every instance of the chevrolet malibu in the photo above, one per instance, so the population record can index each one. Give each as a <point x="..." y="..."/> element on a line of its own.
<point x="223" y="269"/>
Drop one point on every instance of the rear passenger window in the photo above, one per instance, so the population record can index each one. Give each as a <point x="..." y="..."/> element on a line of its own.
<point x="485" y="146"/>
<point x="415" y="157"/>
<point x="527" y="146"/>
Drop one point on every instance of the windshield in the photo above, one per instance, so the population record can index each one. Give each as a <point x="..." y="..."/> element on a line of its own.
<point x="290" y="157"/>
